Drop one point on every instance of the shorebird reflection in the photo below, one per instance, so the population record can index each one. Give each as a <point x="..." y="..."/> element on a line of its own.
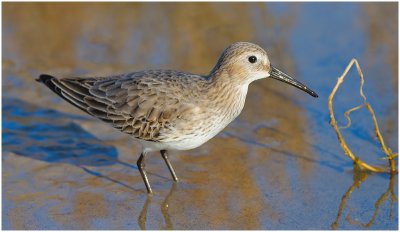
<point x="142" y="219"/>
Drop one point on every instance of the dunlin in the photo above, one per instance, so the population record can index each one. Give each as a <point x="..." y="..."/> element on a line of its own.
<point x="171" y="110"/>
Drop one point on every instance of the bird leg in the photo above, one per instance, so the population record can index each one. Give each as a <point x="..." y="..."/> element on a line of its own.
<point x="141" y="165"/>
<point x="164" y="154"/>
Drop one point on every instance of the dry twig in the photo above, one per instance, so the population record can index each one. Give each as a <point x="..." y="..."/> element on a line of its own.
<point x="357" y="161"/>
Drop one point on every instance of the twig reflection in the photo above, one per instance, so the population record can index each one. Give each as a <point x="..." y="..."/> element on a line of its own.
<point x="358" y="178"/>
<point x="378" y="203"/>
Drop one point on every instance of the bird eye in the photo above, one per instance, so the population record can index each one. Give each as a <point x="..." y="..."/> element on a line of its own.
<point x="252" y="59"/>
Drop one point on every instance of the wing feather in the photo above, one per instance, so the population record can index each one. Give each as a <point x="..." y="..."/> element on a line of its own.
<point x="141" y="104"/>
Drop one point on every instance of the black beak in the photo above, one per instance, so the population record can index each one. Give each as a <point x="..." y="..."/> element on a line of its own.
<point x="281" y="76"/>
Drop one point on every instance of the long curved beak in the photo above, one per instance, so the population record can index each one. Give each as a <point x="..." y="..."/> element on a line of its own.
<point x="281" y="76"/>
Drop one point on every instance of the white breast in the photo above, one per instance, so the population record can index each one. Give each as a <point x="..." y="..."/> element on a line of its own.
<point x="215" y="122"/>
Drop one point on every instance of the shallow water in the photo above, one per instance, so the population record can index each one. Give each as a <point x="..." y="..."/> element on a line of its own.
<point x="278" y="166"/>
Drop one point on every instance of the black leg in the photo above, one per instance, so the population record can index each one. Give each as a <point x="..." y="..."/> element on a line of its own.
<point x="164" y="154"/>
<point x="141" y="165"/>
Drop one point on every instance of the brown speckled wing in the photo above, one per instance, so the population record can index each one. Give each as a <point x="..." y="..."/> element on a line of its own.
<point x="141" y="104"/>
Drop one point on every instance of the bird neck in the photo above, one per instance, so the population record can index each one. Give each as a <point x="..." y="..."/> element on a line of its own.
<point x="227" y="93"/>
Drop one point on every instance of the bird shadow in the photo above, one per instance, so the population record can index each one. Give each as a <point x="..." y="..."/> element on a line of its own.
<point x="48" y="135"/>
<point x="250" y="139"/>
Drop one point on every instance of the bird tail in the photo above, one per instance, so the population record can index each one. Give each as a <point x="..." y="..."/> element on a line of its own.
<point x="62" y="90"/>
<point x="47" y="80"/>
